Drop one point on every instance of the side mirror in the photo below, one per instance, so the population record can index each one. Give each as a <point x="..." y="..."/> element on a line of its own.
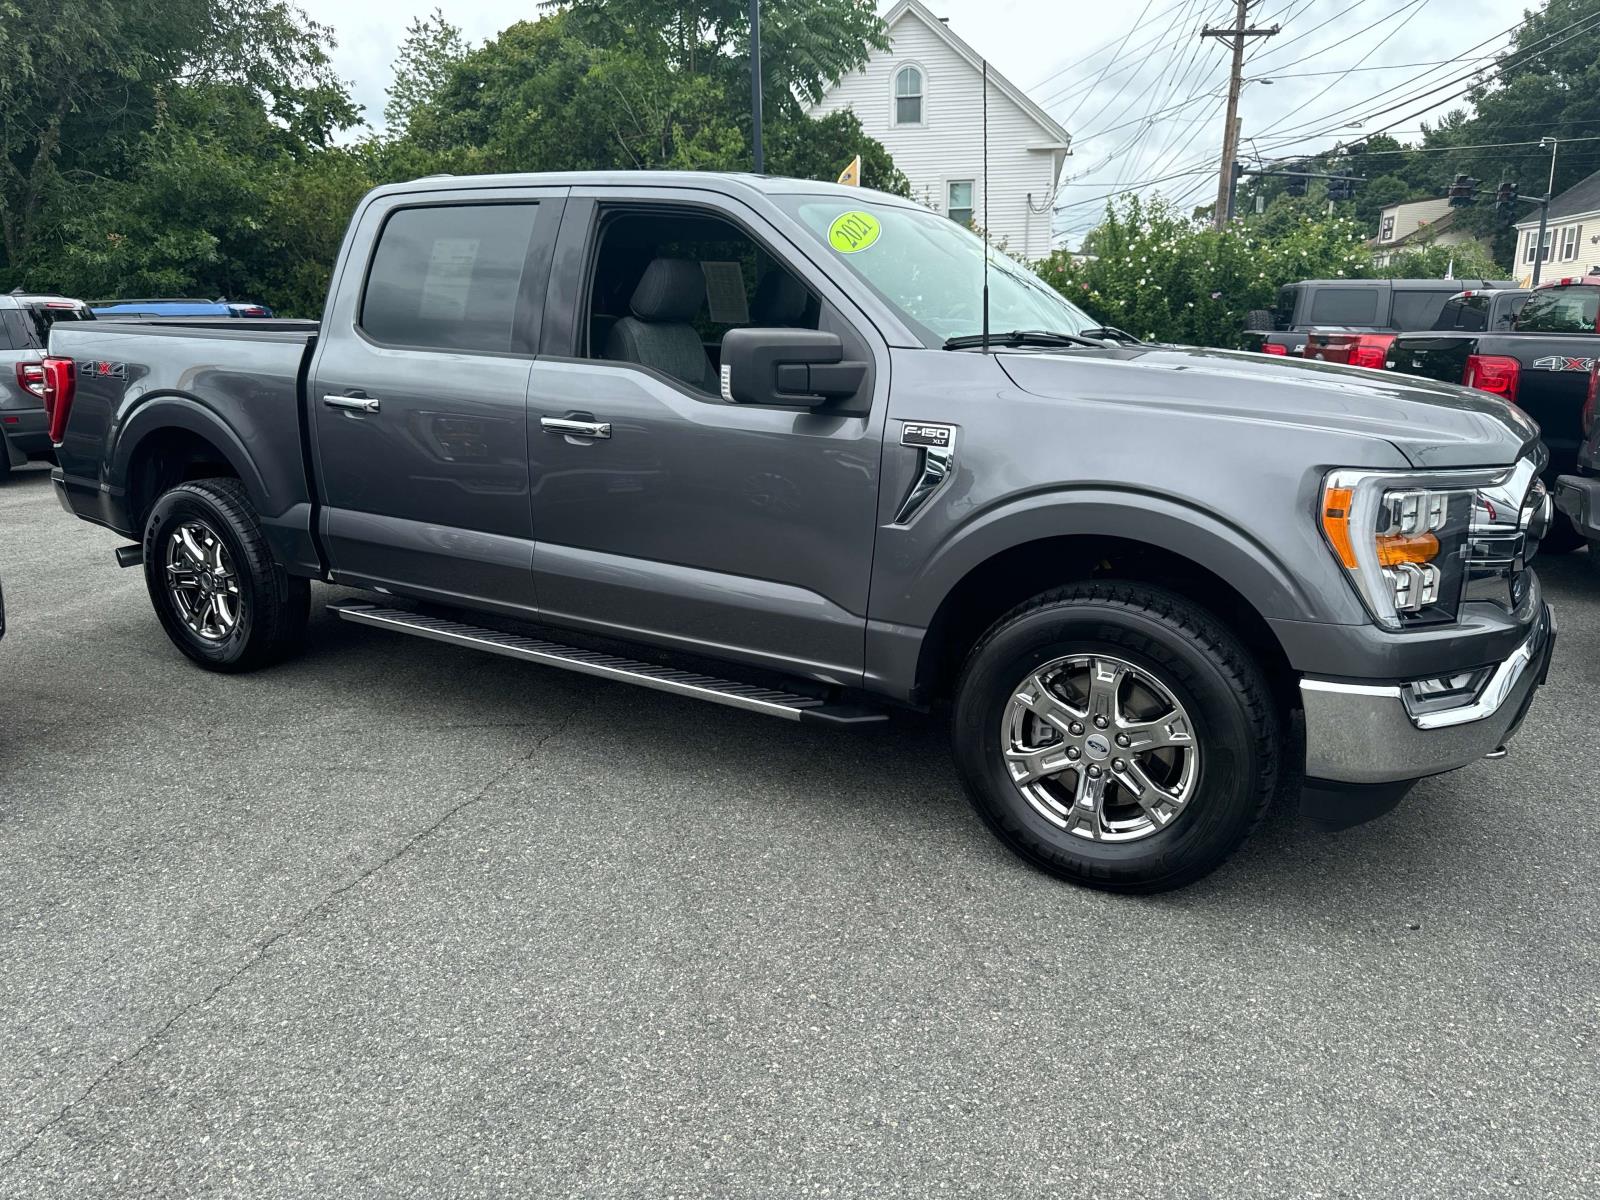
<point x="787" y="368"/>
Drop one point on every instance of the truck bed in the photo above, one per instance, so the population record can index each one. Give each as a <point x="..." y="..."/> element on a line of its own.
<point x="171" y="394"/>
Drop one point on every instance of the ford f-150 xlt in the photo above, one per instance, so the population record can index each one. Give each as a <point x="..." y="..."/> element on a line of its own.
<point x="1542" y="365"/>
<point x="744" y="439"/>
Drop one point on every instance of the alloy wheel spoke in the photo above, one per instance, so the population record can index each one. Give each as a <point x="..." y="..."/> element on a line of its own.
<point x="1029" y="764"/>
<point x="1038" y="699"/>
<point x="1105" y="685"/>
<point x="1088" y="801"/>
<point x="1162" y="733"/>
<point x="1146" y="792"/>
<point x="192" y="550"/>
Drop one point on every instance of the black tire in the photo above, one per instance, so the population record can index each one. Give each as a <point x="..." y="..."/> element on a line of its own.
<point x="1236" y="723"/>
<point x="1259" y="320"/>
<point x="1594" y="557"/>
<point x="5" y="459"/>
<point x="272" y="605"/>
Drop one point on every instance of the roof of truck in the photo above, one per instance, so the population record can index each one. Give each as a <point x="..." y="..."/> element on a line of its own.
<point x="772" y="185"/>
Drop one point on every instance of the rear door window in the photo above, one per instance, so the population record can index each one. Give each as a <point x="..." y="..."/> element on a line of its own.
<point x="1345" y="306"/>
<point x="1467" y="313"/>
<point x="43" y="314"/>
<point x="1561" y="310"/>
<point x="453" y="277"/>
<point x="1416" y="309"/>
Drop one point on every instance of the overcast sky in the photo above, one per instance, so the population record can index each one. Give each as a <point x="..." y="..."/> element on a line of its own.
<point x="1141" y="93"/>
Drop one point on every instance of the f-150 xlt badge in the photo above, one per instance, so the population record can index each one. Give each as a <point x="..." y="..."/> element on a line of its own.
<point x="1560" y="362"/>
<point x="938" y="436"/>
<point x="936" y="447"/>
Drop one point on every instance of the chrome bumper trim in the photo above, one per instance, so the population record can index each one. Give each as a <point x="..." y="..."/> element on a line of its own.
<point x="1368" y="733"/>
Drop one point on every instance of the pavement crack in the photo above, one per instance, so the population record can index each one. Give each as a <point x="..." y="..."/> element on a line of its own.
<point x="258" y="950"/>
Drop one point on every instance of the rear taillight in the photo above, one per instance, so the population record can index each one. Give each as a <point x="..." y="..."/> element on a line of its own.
<point x="30" y="377"/>
<point x="252" y="310"/>
<point x="1589" y="400"/>
<point x="1369" y="353"/>
<point x="1274" y="348"/>
<point x="1494" y="373"/>
<point x="60" y="382"/>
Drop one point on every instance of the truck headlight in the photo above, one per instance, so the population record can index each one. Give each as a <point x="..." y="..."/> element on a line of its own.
<point x="1402" y="540"/>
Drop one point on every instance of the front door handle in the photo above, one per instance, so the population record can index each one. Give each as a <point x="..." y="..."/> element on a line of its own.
<point x="356" y="403"/>
<point x="575" y="428"/>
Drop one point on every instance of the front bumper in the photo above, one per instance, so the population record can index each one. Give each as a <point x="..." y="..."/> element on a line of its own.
<point x="1367" y="734"/>
<point x="1579" y="497"/>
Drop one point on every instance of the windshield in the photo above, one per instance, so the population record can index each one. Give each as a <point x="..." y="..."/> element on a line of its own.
<point x="930" y="269"/>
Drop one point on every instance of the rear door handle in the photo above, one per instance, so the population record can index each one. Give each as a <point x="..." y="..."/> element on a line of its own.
<point x="355" y="403"/>
<point x="575" y="428"/>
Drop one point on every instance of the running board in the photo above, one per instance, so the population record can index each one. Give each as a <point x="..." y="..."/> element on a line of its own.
<point x="772" y="702"/>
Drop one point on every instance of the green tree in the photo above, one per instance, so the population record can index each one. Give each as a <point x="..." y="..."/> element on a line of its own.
<point x="431" y="49"/>
<point x="626" y="84"/>
<point x="88" y="82"/>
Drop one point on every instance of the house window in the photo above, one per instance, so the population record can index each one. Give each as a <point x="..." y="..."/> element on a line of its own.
<point x="1533" y="236"/>
<point x="958" y="201"/>
<point x="908" y="96"/>
<point x="1569" y="242"/>
<point x="1387" y="232"/>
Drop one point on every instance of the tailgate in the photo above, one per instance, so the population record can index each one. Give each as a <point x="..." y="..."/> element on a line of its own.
<point x="1441" y="356"/>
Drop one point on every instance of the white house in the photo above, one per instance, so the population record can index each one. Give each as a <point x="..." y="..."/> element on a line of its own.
<point x="1571" y="239"/>
<point x="923" y="99"/>
<point x="1414" y="224"/>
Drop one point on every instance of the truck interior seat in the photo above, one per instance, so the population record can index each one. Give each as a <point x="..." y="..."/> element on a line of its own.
<point x="781" y="302"/>
<point x="658" y="333"/>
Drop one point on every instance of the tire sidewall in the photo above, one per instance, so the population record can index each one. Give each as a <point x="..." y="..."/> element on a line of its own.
<point x="172" y="509"/>
<point x="1225" y="801"/>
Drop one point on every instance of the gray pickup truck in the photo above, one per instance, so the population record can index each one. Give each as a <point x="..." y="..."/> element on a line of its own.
<point x="743" y="439"/>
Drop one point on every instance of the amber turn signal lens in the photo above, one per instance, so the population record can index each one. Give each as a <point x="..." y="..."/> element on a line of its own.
<point x="1336" y="502"/>
<point x="1397" y="548"/>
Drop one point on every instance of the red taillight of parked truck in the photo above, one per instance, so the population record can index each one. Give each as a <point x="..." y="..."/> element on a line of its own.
<point x="1494" y="373"/>
<point x="1351" y="349"/>
<point x="30" y="377"/>
<point x="1589" y="407"/>
<point x="1273" y="348"/>
<point x="60" y="382"/>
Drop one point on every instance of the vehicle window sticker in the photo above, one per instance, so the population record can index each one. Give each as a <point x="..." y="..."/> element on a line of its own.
<point x="726" y="301"/>
<point x="853" y="231"/>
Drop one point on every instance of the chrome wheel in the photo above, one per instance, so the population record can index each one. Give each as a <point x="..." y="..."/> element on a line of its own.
<point x="1100" y="748"/>
<point x="202" y="581"/>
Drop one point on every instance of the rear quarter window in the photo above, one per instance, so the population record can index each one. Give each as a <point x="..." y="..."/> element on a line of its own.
<point x="42" y="316"/>
<point x="1344" y="306"/>
<point x="1469" y="314"/>
<point x="452" y="277"/>
<point x="1417" y="310"/>
<point x="1561" y="310"/>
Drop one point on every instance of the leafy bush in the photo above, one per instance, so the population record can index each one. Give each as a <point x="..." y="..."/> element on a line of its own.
<point x="1158" y="273"/>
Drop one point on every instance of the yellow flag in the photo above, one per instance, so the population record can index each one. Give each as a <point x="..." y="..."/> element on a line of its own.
<point x="851" y="175"/>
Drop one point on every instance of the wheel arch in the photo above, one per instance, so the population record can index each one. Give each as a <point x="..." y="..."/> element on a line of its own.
<point x="1241" y="587"/>
<point x="173" y="439"/>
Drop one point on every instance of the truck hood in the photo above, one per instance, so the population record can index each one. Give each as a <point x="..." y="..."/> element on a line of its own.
<point x="1432" y="424"/>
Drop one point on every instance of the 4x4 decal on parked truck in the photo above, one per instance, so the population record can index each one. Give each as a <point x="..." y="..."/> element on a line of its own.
<point x="1560" y="362"/>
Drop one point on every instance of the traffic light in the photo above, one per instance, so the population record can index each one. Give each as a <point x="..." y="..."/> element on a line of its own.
<point x="1505" y="201"/>
<point x="1296" y="185"/>
<point x="1341" y="189"/>
<point x="1463" y="192"/>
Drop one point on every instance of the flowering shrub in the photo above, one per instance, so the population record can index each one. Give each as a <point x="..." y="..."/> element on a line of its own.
<point x="1157" y="273"/>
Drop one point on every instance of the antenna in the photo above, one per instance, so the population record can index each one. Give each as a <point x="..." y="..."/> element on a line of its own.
<point x="986" y="206"/>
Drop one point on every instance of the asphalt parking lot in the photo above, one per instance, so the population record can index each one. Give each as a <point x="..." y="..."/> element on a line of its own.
<point x="399" y="920"/>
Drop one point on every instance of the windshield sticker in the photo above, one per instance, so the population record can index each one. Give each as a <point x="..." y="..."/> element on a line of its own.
<point x="853" y="231"/>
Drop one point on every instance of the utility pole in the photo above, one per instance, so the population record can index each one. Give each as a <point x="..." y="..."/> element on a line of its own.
<point x="755" y="86"/>
<point x="1230" y="128"/>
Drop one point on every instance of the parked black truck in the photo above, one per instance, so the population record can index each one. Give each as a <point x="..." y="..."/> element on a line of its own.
<point x="1542" y="365"/>
<point x="1351" y="306"/>
<point x="744" y="439"/>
